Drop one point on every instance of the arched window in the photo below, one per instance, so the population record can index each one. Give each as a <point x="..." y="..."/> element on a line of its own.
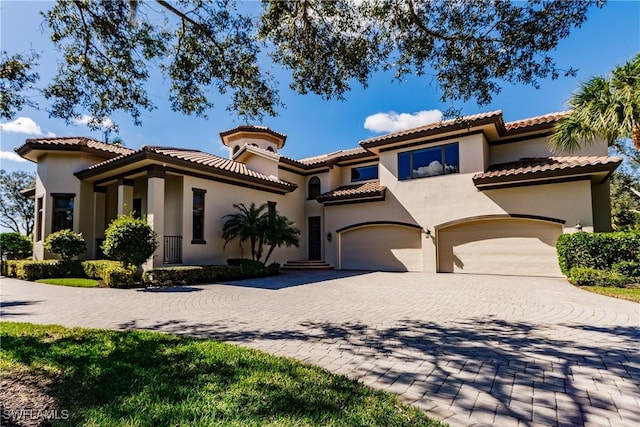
<point x="236" y="149"/>
<point x="314" y="187"/>
<point x="270" y="148"/>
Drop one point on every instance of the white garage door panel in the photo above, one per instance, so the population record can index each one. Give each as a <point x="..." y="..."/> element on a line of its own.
<point x="501" y="246"/>
<point x="385" y="248"/>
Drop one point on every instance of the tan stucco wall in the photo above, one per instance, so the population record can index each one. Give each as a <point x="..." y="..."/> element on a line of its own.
<point x="539" y="147"/>
<point x="429" y="202"/>
<point x="219" y="201"/>
<point x="263" y="165"/>
<point x="55" y="175"/>
<point x="241" y="142"/>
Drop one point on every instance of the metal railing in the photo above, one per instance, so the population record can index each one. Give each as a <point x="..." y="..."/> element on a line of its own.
<point x="172" y="250"/>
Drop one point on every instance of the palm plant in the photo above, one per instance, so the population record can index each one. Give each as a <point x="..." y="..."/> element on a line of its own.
<point x="606" y="107"/>
<point x="246" y="224"/>
<point x="280" y="231"/>
<point x="253" y="223"/>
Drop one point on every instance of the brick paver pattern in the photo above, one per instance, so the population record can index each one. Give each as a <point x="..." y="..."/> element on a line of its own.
<point x="468" y="349"/>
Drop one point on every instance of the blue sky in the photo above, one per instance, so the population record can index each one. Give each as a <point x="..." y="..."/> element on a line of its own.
<point x="610" y="36"/>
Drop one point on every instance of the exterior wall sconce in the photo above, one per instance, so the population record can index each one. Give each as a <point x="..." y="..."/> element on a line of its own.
<point x="578" y="226"/>
<point x="427" y="232"/>
<point x="329" y="236"/>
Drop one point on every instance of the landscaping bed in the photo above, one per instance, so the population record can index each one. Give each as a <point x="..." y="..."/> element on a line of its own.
<point x="97" y="377"/>
<point x="605" y="263"/>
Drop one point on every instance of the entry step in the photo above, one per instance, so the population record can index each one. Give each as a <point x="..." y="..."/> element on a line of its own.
<point x="307" y="265"/>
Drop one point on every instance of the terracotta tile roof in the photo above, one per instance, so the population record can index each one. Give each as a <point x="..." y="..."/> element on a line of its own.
<point x="73" y="143"/>
<point x="550" y="118"/>
<point x="353" y="192"/>
<point x="336" y="155"/>
<point x="209" y="162"/>
<point x="461" y="123"/>
<point x="545" y="167"/>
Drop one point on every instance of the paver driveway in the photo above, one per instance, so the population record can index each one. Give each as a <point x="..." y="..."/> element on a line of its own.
<point x="467" y="349"/>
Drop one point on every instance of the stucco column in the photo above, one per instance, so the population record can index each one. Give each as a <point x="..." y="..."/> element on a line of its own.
<point x="99" y="217"/>
<point x="125" y="196"/>
<point x="155" y="213"/>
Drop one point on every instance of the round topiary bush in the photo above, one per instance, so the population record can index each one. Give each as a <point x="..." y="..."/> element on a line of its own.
<point x="65" y="243"/>
<point x="129" y="240"/>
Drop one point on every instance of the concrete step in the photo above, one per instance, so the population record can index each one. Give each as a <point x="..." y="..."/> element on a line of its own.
<point x="307" y="265"/>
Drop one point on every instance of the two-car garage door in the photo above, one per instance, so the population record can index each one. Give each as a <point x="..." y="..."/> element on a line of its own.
<point x="508" y="246"/>
<point x="490" y="245"/>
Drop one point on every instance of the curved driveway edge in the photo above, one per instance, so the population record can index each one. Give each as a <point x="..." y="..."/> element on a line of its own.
<point x="471" y="350"/>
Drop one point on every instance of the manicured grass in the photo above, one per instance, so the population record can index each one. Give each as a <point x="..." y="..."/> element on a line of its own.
<point x="132" y="378"/>
<point x="75" y="282"/>
<point x="630" y="294"/>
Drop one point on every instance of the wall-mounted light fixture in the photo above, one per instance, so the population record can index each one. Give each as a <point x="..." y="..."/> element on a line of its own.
<point x="578" y="226"/>
<point x="329" y="236"/>
<point x="427" y="232"/>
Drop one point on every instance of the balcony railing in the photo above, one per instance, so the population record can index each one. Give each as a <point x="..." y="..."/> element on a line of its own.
<point x="172" y="250"/>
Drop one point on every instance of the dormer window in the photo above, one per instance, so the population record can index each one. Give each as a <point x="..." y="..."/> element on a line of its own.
<point x="427" y="162"/>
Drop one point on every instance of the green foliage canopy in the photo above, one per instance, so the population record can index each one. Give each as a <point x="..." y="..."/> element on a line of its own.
<point x="16" y="210"/>
<point x="111" y="49"/>
<point x="14" y="246"/>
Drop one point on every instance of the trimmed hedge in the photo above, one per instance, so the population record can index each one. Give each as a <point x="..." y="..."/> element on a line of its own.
<point x="34" y="270"/>
<point x="627" y="268"/>
<point x="111" y="273"/>
<point x="191" y="275"/>
<point x="584" y="276"/>
<point x="252" y="268"/>
<point x="596" y="250"/>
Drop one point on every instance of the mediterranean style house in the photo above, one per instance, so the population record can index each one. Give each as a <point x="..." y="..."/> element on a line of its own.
<point x="471" y="195"/>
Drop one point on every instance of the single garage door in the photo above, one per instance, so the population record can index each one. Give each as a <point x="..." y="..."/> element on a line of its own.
<point x="508" y="246"/>
<point x="381" y="247"/>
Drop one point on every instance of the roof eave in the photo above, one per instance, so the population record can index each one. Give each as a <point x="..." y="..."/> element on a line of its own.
<point x="533" y="177"/>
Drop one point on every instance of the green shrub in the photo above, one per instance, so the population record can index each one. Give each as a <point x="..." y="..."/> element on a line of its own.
<point x="629" y="269"/>
<point x="111" y="273"/>
<point x="96" y="269"/>
<point x="596" y="250"/>
<point x="65" y="243"/>
<point x="129" y="240"/>
<point x="191" y="275"/>
<point x="117" y="276"/>
<point x="272" y="269"/>
<point x="34" y="270"/>
<point x="584" y="276"/>
<point x="14" y="246"/>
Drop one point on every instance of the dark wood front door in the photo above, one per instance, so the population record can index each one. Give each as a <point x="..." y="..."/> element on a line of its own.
<point x="315" y="242"/>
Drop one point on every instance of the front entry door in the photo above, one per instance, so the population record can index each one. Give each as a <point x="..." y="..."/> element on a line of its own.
<point x="315" y="243"/>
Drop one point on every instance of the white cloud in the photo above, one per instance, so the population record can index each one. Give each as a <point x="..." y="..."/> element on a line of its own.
<point x="51" y="134"/>
<point x="392" y="121"/>
<point x="11" y="156"/>
<point x="85" y="119"/>
<point x="22" y="125"/>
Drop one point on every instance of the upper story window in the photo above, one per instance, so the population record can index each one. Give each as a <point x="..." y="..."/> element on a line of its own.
<point x="364" y="173"/>
<point x="434" y="161"/>
<point x="314" y="187"/>
<point x="62" y="212"/>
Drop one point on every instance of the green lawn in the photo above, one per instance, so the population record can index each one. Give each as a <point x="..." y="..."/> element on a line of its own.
<point x="630" y="294"/>
<point x="132" y="378"/>
<point x="75" y="282"/>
